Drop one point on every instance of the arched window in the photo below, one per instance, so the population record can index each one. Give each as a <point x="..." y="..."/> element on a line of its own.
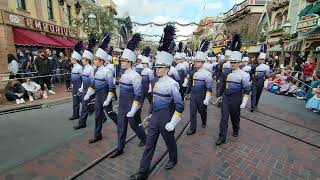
<point x="278" y="21"/>
<point x="285" y="16"/>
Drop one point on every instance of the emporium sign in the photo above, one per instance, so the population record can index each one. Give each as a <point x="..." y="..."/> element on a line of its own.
<point x="34" y="24"/>
<point x="308" y="23"/>
<point x="43" y="26"/>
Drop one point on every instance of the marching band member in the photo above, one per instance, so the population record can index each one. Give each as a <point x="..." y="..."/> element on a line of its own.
<point x="76" y="80"/>
<point x="200" y="84"/>
<point x="129" y="98"/>
<point x="87" y="80"/>
<point x="181" y="68"/>
<point x="234" y="86"/>
<point x="260" y="73"/>
<point x="147" y="76"/>
<point x="167" y="108"/>
<point x="103" y="87"/>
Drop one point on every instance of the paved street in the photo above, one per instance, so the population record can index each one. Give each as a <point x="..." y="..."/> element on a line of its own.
<point x="258" y="152"/>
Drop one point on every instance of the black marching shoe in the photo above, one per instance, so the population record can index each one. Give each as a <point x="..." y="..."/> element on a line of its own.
<point x="252" y="109"/>
<point x="220" y="141"/>
<point x="74" y="118"/>
<point x="79" y="126"/>
<point x="190" y="132"/>
<point x="117" y="153"/>
<point x="142" y="143"/>
<point x="235" y="133"/>
<point x="139" y="176"/>
<point x="95" y="139"/>
<point x="203" y="125"/>
<point x="170" y="164"/>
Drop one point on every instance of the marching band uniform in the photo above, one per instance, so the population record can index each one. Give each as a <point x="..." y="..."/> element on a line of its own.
<point x="167" y="108"/>
<point x="147" y="76"/>
<point x="87" y="80"/>
<point x="103" y="87"/>
<point x="234" y="86"/>
<point x="76" y="81"/>
<point x="261" y="72"/>
<point x="138" y="68"/>
<point x="199" y="85"/>
<point x="129" y="99"/>
<point x="181" y="68"/>
<point x="173" y="73"/>
<point x="246" y="68"/>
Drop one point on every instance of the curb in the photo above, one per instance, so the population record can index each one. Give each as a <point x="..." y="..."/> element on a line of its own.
<point x="35" y="106"/>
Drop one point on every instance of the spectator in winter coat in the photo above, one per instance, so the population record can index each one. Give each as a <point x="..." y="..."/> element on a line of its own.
<point x="15" y="92"/>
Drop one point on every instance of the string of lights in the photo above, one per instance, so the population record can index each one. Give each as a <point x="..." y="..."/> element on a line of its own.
<point x="175" y="23"/>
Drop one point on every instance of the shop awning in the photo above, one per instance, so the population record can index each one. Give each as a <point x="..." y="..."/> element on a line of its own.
<point x="315" y="8"/>
<point x="276" y="48"/>
<point x="31" y="38"/>
<point x="294" y="46"/>
<point x="73" y="40"/>
<point x="305" y="10"/>
<point x="63" y="41"/>
<point x="254" y="49"/>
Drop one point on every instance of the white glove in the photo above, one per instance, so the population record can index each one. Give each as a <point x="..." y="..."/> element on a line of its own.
<point x="150" y="88"/>
<point x="185" y="82"/>
<point x="174" y="121"/>
<point x="244" y="101"/>
<point x="108" y="100"/>
<point x="207" y="99"/>
<point x="89" y="93"/>
<point x="135" y="106"/>
<point x="81" y="88"/>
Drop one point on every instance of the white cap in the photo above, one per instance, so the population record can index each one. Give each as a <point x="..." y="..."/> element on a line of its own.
<point x="145" y="59"/>
<point x="228" y="53"/>
<point x="164" y="59"/>
<point x="235" y="56"/>
<point x="139" y="56"/>
<point x="262" y="56"/>
<point x="178" y="55"/>
<point x="76" y="55"/>
<point x="129" y="55"/>
<point x="184" y="55"/>
<point x="100" y="53"/>
<point x="222" y="57"/>
<point x="87" y="54"/>
<point x="201" y="56"/>
<point x="213" y="58"/>
<point x="245" y="59"/>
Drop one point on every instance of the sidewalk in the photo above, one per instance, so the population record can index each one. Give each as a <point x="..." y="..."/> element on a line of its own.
<point x="258" y="153"/>
<point x="61" y="95"/>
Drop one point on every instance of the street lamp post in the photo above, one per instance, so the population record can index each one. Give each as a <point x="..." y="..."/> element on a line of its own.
<point x="92" y="21"/>
<point x="286" y="28"/>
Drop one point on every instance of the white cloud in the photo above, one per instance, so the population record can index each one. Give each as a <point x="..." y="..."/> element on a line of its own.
<point x="213" y="5"/>
<point x="233" y="2"/>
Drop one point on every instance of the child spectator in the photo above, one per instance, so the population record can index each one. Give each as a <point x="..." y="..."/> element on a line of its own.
<point x="275" y="84"/>
<point x="314" y="102"/>
<point x="33" y="89"/>
<point x="293" y="89"/>
<point x="15" y="92"/>
<point x="284" y="87"/>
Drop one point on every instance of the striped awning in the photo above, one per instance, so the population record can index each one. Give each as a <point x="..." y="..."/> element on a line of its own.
<point x="254" y="49"/>
<point x="293" y="46"/>
<point x="275" y="48"/>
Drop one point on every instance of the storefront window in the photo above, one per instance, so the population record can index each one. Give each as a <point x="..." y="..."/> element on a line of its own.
<point x="69" y="14"/>
<point x="21" y="4"/>
<point x="50" y="10"/>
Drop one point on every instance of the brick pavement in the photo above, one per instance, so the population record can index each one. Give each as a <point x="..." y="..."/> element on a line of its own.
<point x="294" y="130"/>
<point x="127" y="164"/>
<point x="63" y="161"/>
<point x="258" y="153"/>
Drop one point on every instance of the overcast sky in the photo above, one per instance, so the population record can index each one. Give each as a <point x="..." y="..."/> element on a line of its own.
<point x="160" y="11"/>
